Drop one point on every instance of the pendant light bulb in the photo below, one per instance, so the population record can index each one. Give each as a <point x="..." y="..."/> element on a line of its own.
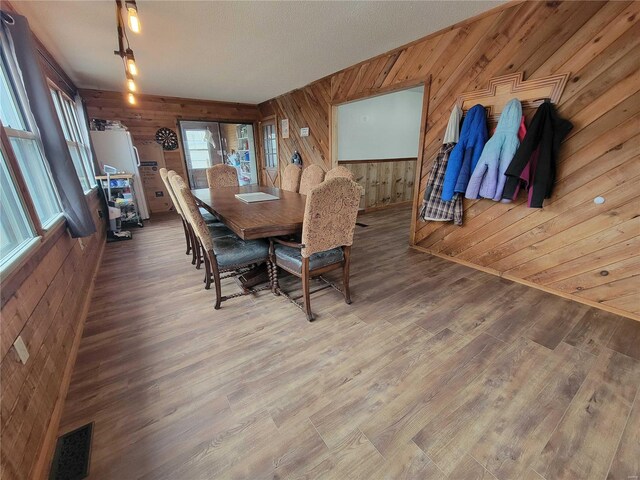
<point x="131" y="98"/>
<point x="132" y="68"/>
<point x="131" y="85"/>
<point x="134" y="21"/>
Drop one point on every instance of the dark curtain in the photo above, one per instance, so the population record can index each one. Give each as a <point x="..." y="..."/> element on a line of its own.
<point x="74" y="203"/>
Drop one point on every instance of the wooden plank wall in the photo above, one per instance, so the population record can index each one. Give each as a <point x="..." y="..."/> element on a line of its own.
<point x="45" y="303"/>
<point x="572" y="247"/>
<point x="307" y="107"/>
<point x="385" y="183"/>
<point x="152" y="112"/>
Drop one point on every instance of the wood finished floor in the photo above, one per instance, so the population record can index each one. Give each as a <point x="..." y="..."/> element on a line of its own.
<point x="435" y="371"/>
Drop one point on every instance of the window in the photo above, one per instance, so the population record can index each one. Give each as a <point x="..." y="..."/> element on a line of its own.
<point x="20" y="128"/>
<point x="79" y="150"/>
<point x="270" y="146"/>
<point x="16" y="232"/>
<point x="197" y="148"/>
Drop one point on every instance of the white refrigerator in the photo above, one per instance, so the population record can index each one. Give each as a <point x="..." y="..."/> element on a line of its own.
<point x="115" y="148"/>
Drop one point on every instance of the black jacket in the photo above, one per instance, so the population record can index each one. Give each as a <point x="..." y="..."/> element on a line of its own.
<point x="546" y="132"/>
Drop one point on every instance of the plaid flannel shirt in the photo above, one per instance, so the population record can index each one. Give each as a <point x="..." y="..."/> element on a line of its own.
<point x="433" y="207"/>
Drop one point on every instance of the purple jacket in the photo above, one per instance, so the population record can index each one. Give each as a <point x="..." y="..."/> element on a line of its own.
<point x="487" y="180"/>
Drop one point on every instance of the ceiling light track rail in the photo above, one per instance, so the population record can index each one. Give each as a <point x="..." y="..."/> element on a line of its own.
<point x="124" y="48"/>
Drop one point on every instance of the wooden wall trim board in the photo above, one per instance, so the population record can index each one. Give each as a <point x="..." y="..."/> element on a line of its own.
<point x="377" y="160"/>
<point x="598" y="43"/>
<point x="384" y="183"/>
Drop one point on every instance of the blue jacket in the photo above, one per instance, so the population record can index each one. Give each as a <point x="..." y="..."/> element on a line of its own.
<point x="465" y="155"/>
<point x="487" y="180"/>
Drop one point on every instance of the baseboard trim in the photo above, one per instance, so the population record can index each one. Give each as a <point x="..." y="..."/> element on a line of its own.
<point x="559" y="293"/>
<point x="43" y="463"/>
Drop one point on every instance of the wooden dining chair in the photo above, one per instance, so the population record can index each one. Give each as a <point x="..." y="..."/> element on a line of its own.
<point x="327" y="235"/>
<point x="227" y="254"/>
<point x="164" y="175"/>
<point x="311" y="176"/>
<point x="216" y="227"/>
<point x="291" y="178"/>
<point x="222" y="175"/>
<point x="339" y="171"/>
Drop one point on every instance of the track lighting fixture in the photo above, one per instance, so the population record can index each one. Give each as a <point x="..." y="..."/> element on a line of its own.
<point x="126" y="54"/>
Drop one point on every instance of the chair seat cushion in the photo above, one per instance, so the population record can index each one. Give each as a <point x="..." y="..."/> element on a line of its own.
<point x="232" y="250"/>
<point x="218" y="230"/>
<point x="291" y="258"/>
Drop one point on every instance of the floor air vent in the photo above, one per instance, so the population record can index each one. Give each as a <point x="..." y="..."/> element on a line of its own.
<point x="71" y="459"/>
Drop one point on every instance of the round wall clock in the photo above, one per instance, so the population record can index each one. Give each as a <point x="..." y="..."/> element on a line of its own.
<point x="167" y="138"/>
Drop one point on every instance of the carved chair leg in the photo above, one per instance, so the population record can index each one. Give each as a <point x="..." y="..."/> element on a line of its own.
<point x="187" y="237"/>
<point x="198" y="255"/>
<point x="276" y="285"/>
<point x="207" y="273"/>
<point x="305" y="288"/>
<point x="194" y="246"/>
<point x="272" y="269"/>
<point x="216" y="279"/>
<point x="345" y="275"/>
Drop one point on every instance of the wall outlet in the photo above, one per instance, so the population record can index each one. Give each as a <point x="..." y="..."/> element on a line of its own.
<point x="304" y="132"/>
<point x="21" y="348"/>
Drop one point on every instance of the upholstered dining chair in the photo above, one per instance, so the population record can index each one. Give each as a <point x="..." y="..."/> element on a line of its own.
<point x="291" y="178"/>
<point x="222" y="175"/>
<point x="311" y="176"/>
<point x="216" y="227"/>
<point x="226" y="254"/>
<point x="339" y="171"/>
<point x="327" y="235"/>
<point x="164" y="175"/>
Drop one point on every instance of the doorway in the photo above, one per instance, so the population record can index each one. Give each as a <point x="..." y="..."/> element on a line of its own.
<point x="210" y="143"/>
<point x="269" y="144"/>
<point x="378" y="140"/>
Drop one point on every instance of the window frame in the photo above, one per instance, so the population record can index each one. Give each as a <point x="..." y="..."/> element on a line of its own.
<point x="69" y="110"/>
<point x="7" y="266"/>
<point x="31" y="133"/>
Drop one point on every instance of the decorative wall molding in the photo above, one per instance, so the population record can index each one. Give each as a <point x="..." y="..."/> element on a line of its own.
<point x="531" y="93"/>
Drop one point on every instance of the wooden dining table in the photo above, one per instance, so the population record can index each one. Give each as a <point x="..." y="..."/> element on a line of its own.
<point x="254" y="220"/>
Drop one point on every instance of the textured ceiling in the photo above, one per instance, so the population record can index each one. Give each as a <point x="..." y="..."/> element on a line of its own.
<point x="232" y="51"/>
